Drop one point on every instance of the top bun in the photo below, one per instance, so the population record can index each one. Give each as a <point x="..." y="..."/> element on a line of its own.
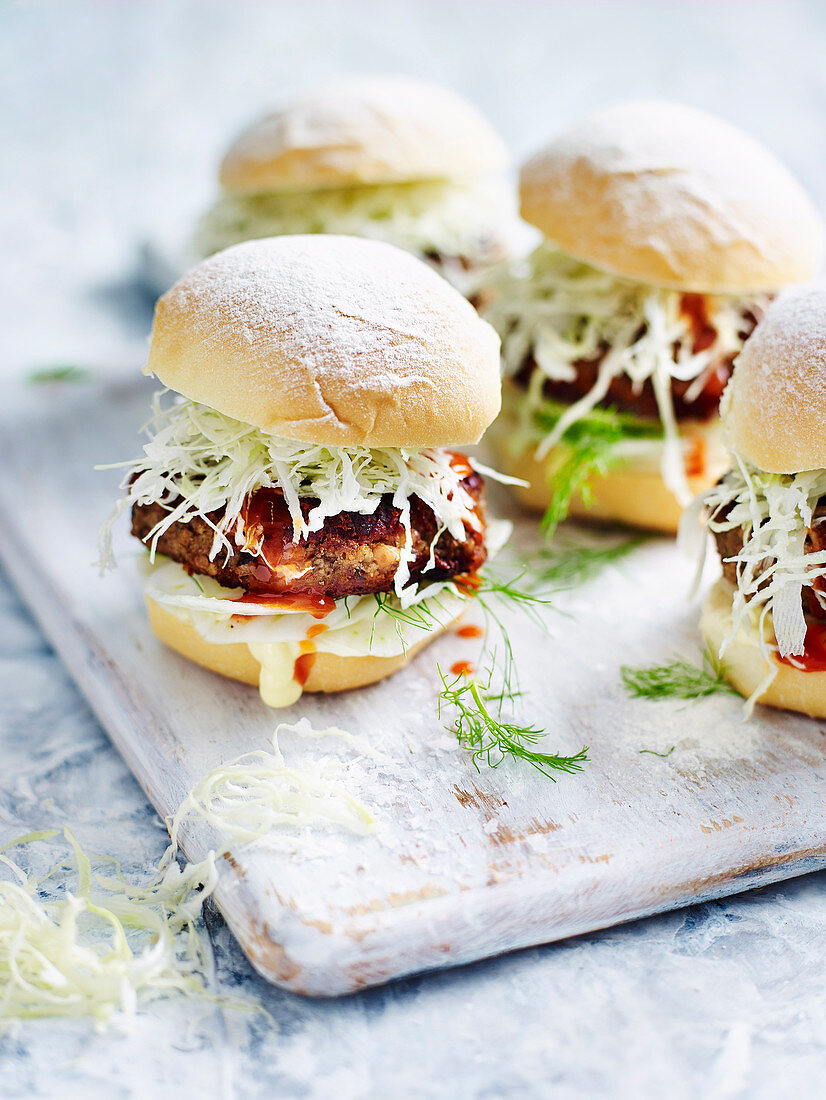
<point x="326" y="339"/>
<point x="365" y="130"/>
<point x="774" y="407"/>
<point x="669" y="195"/>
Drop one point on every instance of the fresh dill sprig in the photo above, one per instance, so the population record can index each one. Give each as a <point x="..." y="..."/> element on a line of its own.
<point x="653" y="752"/>
<point x="678" y="679"/>
<point x="567" y="565"/>
<point x="489" y="588"/>
<point x="587" y="449"/>
<point x="526" y="599"/>
<point x="488" y="737"/>
<point x="69" y="373"/>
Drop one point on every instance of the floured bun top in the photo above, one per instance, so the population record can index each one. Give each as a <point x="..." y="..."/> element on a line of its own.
<point x="673" y="196"/>
<point x="326" y="339"/>
<point x="366" y="130"/>
<point x="774" y="407"/>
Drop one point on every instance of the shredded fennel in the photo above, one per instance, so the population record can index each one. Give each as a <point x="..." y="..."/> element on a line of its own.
<point x="775" y="512"/>
<point x="199" y="461"/>
<point x="561" y="311"/>
<point x="103" y="946"/>
<point x="454" y="219"/>
<point x="248" y="799"/>
<point x="82" y="940"/>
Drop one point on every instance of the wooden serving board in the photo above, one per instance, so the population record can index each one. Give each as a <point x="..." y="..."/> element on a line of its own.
<point x="464" y="864"/>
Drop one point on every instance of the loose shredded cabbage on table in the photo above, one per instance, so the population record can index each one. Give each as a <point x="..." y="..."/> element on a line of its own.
<point x="81" y="940"/>
<point x="246" y="800"/>
<point x="561" y="312"/>
<point x="84" y="940"/>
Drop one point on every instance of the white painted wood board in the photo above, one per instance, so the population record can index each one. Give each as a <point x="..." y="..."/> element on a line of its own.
<point x="465" y="864"/>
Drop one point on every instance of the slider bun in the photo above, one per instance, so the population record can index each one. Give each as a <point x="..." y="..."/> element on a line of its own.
<point x="745" y="665"/>
<point x="670" y="195"/>
<point x="366" y="130"/>
<point x="327" y="339"/>
<point x="328" y="672"/>
<point x="774" y="407"/>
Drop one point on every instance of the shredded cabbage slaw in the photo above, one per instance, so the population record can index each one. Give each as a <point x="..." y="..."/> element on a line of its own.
<point x="562" y="311"/>
<point x="248" y="799"/>
<point x="82" y="940"/>
<point x="199" y="461"/>
<point x="103" y="946"/>
<point x="454" y="219"/>
<point x="775" y="512"/>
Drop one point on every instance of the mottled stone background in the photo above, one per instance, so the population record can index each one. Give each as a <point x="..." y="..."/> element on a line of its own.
<point x="113" y="115"/>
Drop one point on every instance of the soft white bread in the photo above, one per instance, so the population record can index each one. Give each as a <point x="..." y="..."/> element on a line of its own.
<point x="365" y="130"/>
<point x="774" y="407"/>
<point x="745" y="666"/>
<point x="328" y="672"/>
<point x="670" y="195"/>
<point x="326" y="339"/>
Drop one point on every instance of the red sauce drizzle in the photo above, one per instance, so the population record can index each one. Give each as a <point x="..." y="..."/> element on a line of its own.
<point x="316" y="629"/>
<point x="694" y="307"/>
<point x="268" y="525"/>
<point x="470" y="631"/>
<point x="695" y="459"/>
<point x="468" y="583"/>
<point x="304" y="662"/>
<point x="302" y="668"/>
<point x="312" y="602"/>
<point x="460" y="463"/>
<point x="813" y="657"/>
<point x="462" y="668"/>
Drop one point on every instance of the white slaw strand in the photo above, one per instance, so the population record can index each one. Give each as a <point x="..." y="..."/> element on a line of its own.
<point x="562" y="312"/>
<point x="468" y="219"/>
<point x="199" y="461"/>
<point x="775" y="512"/>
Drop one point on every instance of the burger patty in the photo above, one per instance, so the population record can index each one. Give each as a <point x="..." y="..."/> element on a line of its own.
<point x="639" y="400"/>
<point x="730" y="543"/>
<point x="352" y="554"/>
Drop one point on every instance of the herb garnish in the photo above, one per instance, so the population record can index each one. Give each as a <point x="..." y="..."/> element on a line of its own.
<point x="587" y="448"/>
<point x="679" y="679"/>
<point x="653" y="752"/>
<point x="69" y="373"/>
<point x="481" y="729"/>
<point x="566" y="565"/>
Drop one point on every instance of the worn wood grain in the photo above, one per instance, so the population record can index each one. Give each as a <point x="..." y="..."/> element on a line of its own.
<point x="465" y="864"/>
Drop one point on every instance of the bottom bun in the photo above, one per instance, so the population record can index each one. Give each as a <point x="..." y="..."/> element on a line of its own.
<point x="745" y="665"/>
<point x="328" y="671"/>
<point x="639" y="498"/>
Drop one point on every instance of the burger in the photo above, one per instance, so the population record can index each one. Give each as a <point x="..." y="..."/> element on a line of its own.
<point x="766" y="616"/>
<point x="397" y="160"/>
<point x="309" y="523"/>
<point x="667" y="233"/>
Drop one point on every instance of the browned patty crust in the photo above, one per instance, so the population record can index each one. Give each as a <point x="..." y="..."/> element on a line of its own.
<point x="352" y="554"/>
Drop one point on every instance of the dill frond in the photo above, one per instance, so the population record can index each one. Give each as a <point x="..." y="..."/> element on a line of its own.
<point x="568" y="565"/>
<point x="42" y="376"/>
<point x="587" y="449"/>
<point x="489" y="738"/>
<point x="678" y="679"/>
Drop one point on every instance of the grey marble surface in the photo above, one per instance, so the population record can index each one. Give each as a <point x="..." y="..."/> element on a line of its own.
<point x="112" y="118"/>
